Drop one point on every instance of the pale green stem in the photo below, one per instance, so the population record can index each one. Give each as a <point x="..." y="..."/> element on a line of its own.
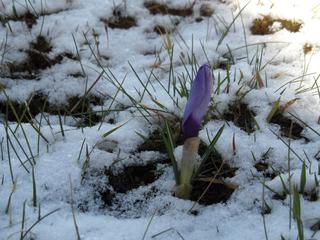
<point x="188" y="161"/>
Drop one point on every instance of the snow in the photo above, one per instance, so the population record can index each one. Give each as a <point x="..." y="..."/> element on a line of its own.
<point x="70" y="27"/>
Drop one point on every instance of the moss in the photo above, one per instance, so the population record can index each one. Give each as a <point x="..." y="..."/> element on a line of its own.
<point x="291" y="26"/>
<point x="262" y="26"/>
<point x="307" y="47"/>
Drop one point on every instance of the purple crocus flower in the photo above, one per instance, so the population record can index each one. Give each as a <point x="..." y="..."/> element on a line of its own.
<point x="198" y="101"/>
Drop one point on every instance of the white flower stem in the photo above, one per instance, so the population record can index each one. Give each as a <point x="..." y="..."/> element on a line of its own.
<point x="188" y="161"/>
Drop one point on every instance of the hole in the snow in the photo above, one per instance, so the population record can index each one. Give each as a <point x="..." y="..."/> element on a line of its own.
<point x="279" y="196"/>
<point x="132" y="177"/>
<point x="206" y="10"/>
<point x="158" y="8"/>
<point x="286" y="129"/>
<point x="37" y="59"/>
<point x="29" y="18"/>
<point x="264" y="25"/>
<point x="41" y="44"/>
<point x="155" y="141"/>
<point x="241" y="116"/>
<point x="263" y="166"/>
<point x="120" y="19"/>
<point x="199" y="19"/>
<point x="209" y="186"/>
<point x="316" y="226"/>
<point x="76" y="107"/>
<point x="312" y="195"/>
<point x="125" y="191"/>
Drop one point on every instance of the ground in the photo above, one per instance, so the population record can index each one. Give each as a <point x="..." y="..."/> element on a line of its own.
<point x="86" y="87"/>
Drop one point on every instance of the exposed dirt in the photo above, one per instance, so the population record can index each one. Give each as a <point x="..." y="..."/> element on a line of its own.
<point x="158" y="8"/>
<point x="155" y="141"/>
<point x="263" y="166"/>
<point x="209" y="186"/>
<point x="316" y="226"/>
<point x="29" y="18"/>
<point x="312" y="196"/>
<point x="37" y="59"/>
<point x="127" y="179"/>
<point x="41" y="44"/>
<point x="132" y="177"/>
<point x="120" y="20"/>
<point x="262" y="26"/>
<point x="286" y="129"/>
<point x="206" y="10"/>
<point x="77" y="107"/>
<point x="241" y="116"/>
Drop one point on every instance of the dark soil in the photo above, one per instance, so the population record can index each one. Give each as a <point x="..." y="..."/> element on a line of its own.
<point x="316" y="226"/>
<point x="77" y="107"/>
<point x="206" y="10"/>
<point x="263" y="166"/>
<point x="285" y="126"/>
<point x="312" y="196"/>
<point x="132" y="177"/>
<point x="241" y="116"/>
<point x="209" y="186"/>
<point x="158" y="8"/>
<point x="155" y="141"/>
<point x="261" y="26"/>
<point x="41" y="44"/>
<point x="127" y="179"/>
<point x="120" y="20"/>
<point x="29" y="18"/>
<point x="37" y="59"/>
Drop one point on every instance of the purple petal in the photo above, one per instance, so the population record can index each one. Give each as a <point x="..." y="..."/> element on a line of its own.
<point x="198" y="101"/>
<point x="191" y="127"/>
